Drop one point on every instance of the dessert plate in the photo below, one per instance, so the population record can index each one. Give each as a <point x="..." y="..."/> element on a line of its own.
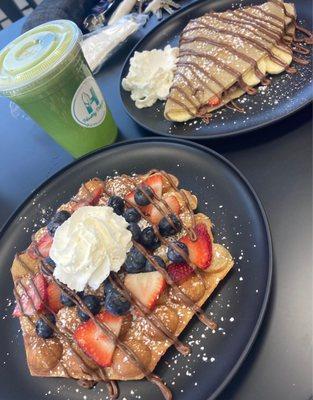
<point x="238" y="306"/>
<point x="286" y="94"/>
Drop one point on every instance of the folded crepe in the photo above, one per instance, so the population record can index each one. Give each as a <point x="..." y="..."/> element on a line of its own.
<point x="223" y="55"/>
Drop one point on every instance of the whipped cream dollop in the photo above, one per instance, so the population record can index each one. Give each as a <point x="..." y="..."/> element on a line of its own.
<point x="88" y="246"/>
<point x="151" y="75"/>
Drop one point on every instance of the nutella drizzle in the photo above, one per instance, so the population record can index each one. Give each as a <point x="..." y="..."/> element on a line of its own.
<point x="247" y="20"/>
<point x="112" y="387"/>
<point x="243" y="22"/>
<point x="145" y="312"/>
<point x="186" y="300"/>
<point x="155" y="322"/>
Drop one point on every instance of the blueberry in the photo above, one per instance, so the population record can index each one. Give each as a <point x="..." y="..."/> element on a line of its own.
<point x="149" y="266"/>
<point x="174" y="256"/>
<point x="47" y="266"/>
<point x="149" y="239"/>
<point x="135" y="231"/>
<point x="117" y="203"/>
<point x="168" y="229"/>
<point x="135" y="261"/>
<point x="108" y="287"/>
<point x="44" y="330"/>
<point x="57" y="220"/>
<point x="93" y="305"/>
<point x="140" y="195"/>
<point x="132" y="215"/>
<point x="116" y="303"/>
<point x="66" y="300"/>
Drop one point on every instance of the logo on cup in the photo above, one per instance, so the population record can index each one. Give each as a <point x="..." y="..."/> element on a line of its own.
<point x="88" y="106"/>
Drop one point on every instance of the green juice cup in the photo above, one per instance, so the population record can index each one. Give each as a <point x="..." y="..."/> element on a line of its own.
<point x="44" y="71"/>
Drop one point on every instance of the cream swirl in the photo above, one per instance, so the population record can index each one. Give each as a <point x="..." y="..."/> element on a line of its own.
<point x="87" y="246"/>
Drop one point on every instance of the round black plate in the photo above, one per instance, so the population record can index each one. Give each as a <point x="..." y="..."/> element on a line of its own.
<point x="287" y="93"/>
<point x="238" y="305"/>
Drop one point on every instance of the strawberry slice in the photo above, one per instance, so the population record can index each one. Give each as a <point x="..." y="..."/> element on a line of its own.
<point x="94" y="342"/>
<point x="214" y="101"/>
<point x="95" y="188"/>
<point x="179" y="272"/>
<point x="146" y="286"/>
<point x="200" y="251"/>
<point x="131" y="197"/>
<point x="156" y="184"/>
<point x="54" y="297"/>
<point x="44" y="244"/>
<point x="155" y="215"/>
<point x="40" y="246"/>
<point x="34" y="297"/>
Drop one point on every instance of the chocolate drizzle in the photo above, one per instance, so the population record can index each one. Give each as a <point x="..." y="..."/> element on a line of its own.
<point x="100" y="373"/>
<point x="271" y="29"/>
<point x="66" y="336"/>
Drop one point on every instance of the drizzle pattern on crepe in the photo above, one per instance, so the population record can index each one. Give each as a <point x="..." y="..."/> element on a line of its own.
<point x="145" y="334"/>
<point x="224" y="55"/>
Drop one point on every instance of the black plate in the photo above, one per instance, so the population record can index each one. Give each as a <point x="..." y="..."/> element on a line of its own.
<point x="287" y="93"/>
<point x="238" y="305"/>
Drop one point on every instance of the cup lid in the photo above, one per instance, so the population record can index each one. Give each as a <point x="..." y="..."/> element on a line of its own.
<point x="34" y="54"/>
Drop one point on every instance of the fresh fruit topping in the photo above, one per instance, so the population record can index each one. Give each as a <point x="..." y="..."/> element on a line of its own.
<point x="169" y="225"/>
<point x="66" y="300"/>
<point x="93" y="305"/>
<point x="214" y="101"/>
<point x="43" y="329"/>
<point x="155" y="183"/>
<point x="135" y="231"/>
<point x="155" y="215"/>
<point x="33" y="294"/>
<point x="149" y="267"/>
<point x="95" y="190"/>
<point x="175" y="255"/>
<point x="146" y="286"/>
<point x="117" y="203"/>
<point x="149" y="239"/>
<point x="179" y="272"/>
<point x="47" y="266"/>
<point x="57" y="220"/>
<point x="200" y="251"/>
<point x="130" y="197"/>
<point x="132" y="215"/>
<point x="94" y="342"/>
<point x="44" y="244"/>
<point x="135" y="261"/>
<point x="141" y="194"/>
<point x="54" y="297"/>
<point x="115" y="302"/>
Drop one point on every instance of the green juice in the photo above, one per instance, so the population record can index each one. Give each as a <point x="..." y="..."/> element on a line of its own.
<point x="45" y="73"/>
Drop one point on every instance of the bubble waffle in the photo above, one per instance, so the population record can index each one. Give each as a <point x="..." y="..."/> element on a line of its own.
<point x="139" y="338"/>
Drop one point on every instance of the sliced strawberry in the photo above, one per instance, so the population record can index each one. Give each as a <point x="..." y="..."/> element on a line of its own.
<point x="155" y="215"/>
<point x="214" y="101"/>
<point x="200" y="251"/>
<point x="131" y="197"/>
<point x="156" y="184"/>
<point x="54" y="297"/>
<point x="95" y="188"/>
<point x="44" y="244"/>
<point x="32" y="251"/>
<point x="146" y="286"/>
<point x="179" y="272"/>
<point x="94" y="342"/>
<point x="34" y="295"/>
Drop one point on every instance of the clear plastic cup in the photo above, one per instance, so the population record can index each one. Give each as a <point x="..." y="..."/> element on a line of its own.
<point x="44" y="71"/>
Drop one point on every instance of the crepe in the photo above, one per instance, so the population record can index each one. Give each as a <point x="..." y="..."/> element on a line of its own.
<point x="56" y="358"/>
<point x="223" y="55"/>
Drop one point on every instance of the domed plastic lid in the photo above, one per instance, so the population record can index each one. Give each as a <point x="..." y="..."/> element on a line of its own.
<point x="36" y="53"/>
